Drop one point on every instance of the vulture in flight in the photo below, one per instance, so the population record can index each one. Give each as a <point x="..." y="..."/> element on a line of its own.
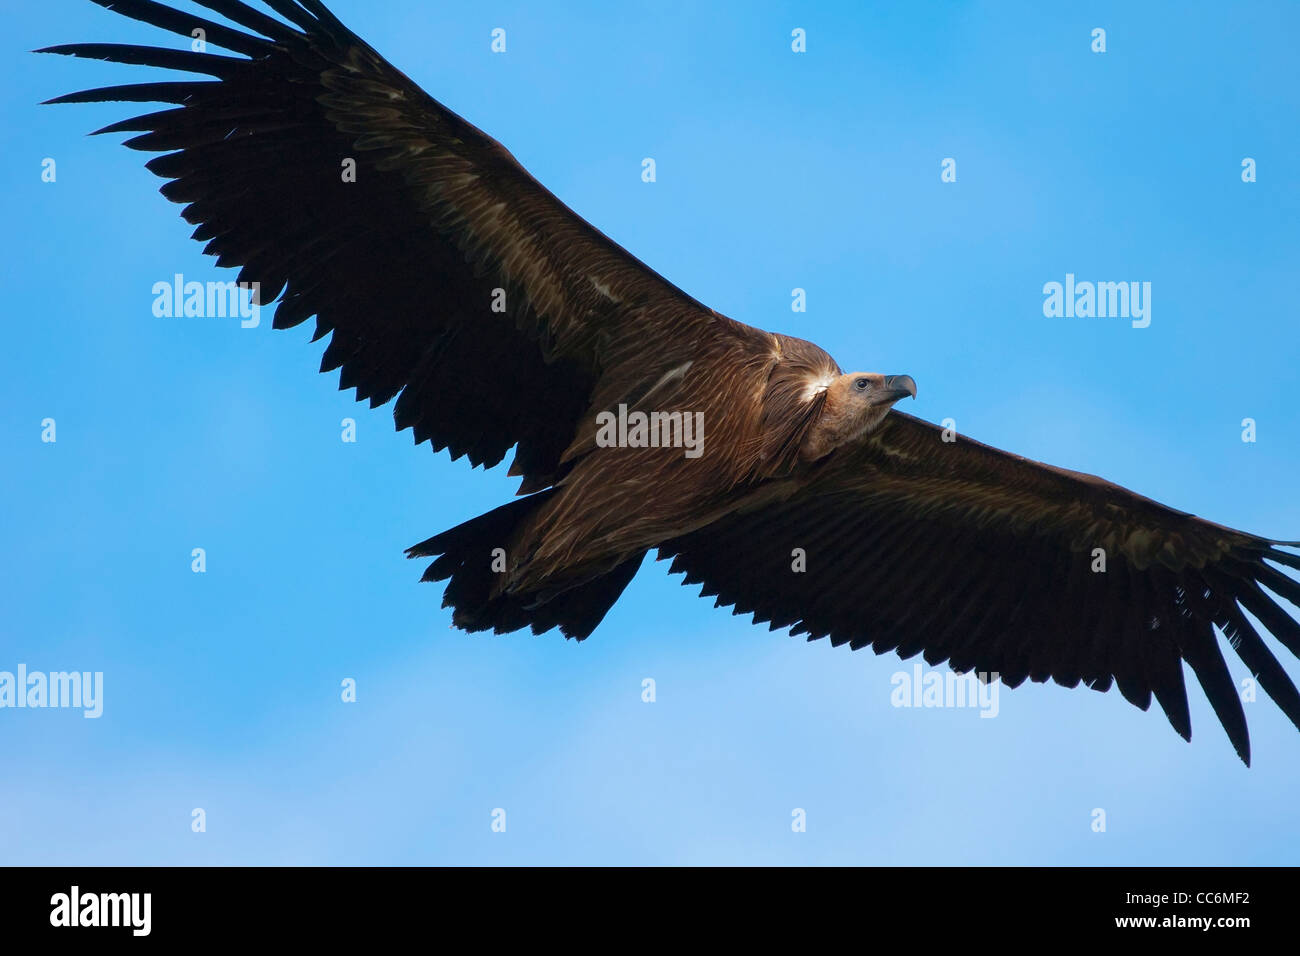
<point x="641" y="419"/>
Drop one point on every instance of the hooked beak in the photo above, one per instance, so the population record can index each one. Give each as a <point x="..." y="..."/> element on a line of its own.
<point x="896" y="387"/>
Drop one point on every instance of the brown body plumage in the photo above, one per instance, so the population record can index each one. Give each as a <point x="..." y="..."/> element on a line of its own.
<point x="913" y="543"/>
<point x="758" y="395"/>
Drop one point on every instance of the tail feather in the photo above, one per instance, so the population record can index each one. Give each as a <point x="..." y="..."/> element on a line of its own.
<point x="467" y="557"/>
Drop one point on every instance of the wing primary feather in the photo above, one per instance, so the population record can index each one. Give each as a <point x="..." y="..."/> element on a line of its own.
<point x="1202" y="652"/>
<point x="167" y="92"/>
<point x="182" y="24"/>
<point x="295" y="13"/>
<point x="247" y="16"/>
<point x="223" y="67"/>
<point x="1277" y="582"/>
<point x="1284" y="557"/>
<point x="1263" y="665"/>
<point x="1280" y="624"/>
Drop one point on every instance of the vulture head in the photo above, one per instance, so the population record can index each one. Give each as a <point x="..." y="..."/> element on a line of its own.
<point x="854" y="405"/>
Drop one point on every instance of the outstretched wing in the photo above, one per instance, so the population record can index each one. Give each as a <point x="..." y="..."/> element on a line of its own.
<point x="409" y="261"/>
<point x="994" y="563"/>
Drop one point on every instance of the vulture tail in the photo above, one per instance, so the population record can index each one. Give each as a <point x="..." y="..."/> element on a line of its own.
<point x="473" y="556"/>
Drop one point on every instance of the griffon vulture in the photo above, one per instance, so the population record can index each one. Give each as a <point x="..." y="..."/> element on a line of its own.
<point x="951" y="549"/>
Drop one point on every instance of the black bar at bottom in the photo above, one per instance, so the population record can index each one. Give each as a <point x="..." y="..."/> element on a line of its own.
<point x="204" y="905"/>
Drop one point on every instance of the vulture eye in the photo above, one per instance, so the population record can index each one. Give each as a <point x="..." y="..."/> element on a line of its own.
<point x="861" y="384"/>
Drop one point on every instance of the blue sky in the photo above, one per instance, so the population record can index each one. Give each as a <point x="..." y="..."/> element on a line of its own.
<point x="775" y="170"/>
